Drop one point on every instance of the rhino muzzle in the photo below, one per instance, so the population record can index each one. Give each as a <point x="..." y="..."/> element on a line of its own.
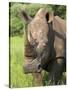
<point x="32" y="67"/>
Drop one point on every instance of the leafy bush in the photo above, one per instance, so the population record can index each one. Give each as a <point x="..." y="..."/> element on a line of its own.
<point x="59" y="10"/>
<point x="15" y="21"/>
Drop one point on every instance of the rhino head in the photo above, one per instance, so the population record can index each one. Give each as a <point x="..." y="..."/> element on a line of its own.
<point x="37" y="35"/>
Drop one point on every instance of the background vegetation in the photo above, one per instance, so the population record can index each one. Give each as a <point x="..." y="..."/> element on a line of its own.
<point x="16" y="25"/>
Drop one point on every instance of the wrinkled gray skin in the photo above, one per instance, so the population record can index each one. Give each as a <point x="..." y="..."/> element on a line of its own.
<point x="46" y="35"/>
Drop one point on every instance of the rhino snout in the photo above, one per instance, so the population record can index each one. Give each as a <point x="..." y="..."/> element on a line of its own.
<point x="32" y="67"/>
<point x="39" y="68"/>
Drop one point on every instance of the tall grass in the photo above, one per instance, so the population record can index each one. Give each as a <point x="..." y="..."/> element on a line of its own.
<point x="17" y="76"/>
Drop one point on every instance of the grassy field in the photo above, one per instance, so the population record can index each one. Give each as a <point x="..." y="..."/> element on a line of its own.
<point x="17" y="76"/>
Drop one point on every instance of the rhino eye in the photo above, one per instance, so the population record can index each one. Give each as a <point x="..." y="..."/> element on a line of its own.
<point x="34" y="43"/>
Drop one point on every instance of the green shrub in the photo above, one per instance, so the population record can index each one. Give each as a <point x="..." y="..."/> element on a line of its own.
<point x="59" y="10"/>
<point x="16" y="25"/>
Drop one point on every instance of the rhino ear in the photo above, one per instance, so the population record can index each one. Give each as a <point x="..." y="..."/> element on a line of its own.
<point x="49" y="17"/>
<point x="26" y="18"/>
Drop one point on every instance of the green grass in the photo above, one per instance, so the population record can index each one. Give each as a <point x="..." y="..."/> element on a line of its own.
<point x="17" y="76"/>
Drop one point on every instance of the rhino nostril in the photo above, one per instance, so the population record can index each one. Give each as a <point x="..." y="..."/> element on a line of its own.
<point x="39" y="66"/>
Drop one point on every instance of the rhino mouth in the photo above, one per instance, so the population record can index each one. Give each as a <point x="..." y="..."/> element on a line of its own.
<point x="32" y="67"/>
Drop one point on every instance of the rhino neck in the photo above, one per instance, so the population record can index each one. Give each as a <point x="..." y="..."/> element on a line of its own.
<point x="59" y="27"/>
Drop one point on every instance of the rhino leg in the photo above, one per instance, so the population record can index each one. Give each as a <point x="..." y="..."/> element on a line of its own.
<point x="56" y="72"/>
